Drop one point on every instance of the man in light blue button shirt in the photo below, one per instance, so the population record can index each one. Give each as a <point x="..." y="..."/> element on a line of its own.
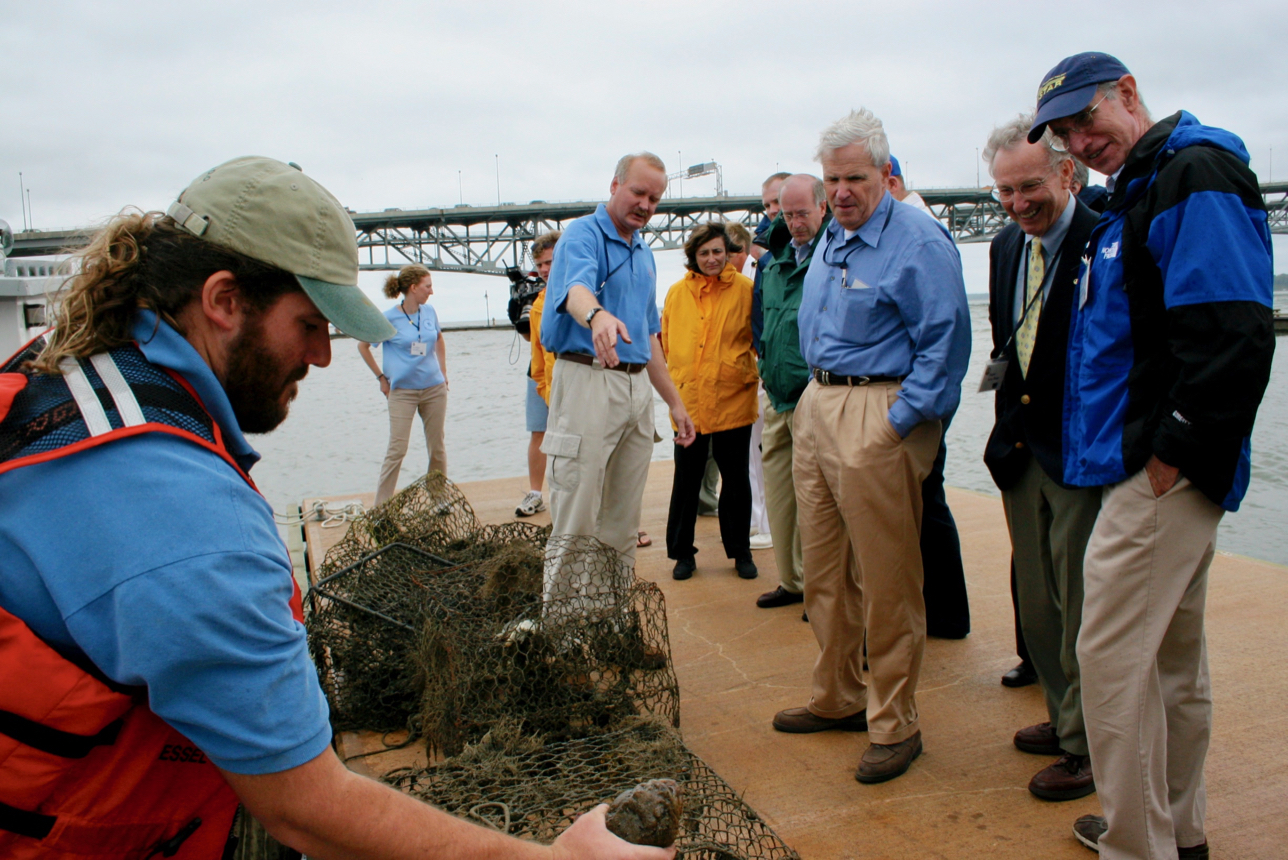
<point x="886" y="332"/>
<point x="600" y="322"/>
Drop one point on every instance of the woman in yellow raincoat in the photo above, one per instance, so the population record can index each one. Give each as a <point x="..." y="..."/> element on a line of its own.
<point x="706" y="336"/>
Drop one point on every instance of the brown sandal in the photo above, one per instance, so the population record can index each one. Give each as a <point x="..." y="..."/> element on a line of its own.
<point x="643" y="539"/>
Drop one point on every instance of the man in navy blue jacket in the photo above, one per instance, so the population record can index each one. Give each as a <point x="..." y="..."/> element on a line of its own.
<point x="1169" y="354"/>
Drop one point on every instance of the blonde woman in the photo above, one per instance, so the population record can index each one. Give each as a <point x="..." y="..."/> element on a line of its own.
<point x="414" y="373"/>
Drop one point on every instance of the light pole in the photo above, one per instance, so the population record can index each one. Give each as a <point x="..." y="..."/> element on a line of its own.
<point x="487" y="311"/>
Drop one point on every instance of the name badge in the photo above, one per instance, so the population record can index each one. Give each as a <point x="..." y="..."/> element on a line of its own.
<point x="419" y="347"/>
<point x="994" y="373"/>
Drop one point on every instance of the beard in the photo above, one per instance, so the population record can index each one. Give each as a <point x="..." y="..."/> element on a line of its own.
<point x="259" y="386"/>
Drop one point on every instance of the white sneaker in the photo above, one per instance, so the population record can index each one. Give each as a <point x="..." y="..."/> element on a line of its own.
<point x="532" y="503"/>
<point x="762" y="541"/>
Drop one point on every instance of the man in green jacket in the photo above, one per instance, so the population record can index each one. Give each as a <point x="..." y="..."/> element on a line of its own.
<point x="792" y="237"/>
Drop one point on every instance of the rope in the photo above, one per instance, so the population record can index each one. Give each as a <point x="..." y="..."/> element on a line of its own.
<point x="330" y="514"/>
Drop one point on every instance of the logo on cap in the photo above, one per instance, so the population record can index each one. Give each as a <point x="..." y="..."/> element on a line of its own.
<point x="1050" y="84"/>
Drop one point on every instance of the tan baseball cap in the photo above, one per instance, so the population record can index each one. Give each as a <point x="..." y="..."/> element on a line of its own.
<point x="272" y="212"/>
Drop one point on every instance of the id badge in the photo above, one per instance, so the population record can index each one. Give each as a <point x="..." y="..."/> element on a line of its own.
<point x="419" y="348"/>
<point x="994" y="373"/>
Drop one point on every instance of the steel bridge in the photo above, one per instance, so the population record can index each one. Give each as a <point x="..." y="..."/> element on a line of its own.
<point x="486" y="240"/>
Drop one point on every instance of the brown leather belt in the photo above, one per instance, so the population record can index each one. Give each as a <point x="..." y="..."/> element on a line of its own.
<point x="582" y="358"/>
<point x="824" y="377"/>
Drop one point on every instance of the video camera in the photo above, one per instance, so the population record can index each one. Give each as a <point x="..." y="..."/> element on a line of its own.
<point x="524" y="289"/>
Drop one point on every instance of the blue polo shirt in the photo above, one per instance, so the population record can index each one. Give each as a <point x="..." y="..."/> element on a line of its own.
<point x="152" y="557"/>
<point x="890" y="301"/>
<point x="622" y="276"/>
<point x="404" y="369"/>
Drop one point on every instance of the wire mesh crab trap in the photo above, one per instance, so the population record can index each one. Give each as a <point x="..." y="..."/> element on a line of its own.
<point x="566" y="653"/>
<point x="369" y="603"/>
<point x="534" y="789"/>
<point x="536" y="670"/>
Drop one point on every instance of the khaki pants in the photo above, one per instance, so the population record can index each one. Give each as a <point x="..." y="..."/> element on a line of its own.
<point x="599" y="441"/>
<point x="1049" y="526"/>
<point x="404" y="403"/>
<point x="780" y="494"/>
<point x="858" y="491"/>
<point x="1145" y="690"/>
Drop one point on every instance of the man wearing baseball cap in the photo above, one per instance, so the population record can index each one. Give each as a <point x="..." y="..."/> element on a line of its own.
<point x="1169" y="354"/>
<point x="154" y="672"/>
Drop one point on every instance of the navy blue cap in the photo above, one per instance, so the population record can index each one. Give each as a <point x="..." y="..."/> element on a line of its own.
<point x="895" y="169"/>
<point x="1070" y="86"/>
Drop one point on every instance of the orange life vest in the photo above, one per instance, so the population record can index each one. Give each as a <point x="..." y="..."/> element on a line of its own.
<point x="87" y="771"/>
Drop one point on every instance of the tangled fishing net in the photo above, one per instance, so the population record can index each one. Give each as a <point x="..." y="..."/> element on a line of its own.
<point x="534" y="789"/>
<point x="535" y="670"/>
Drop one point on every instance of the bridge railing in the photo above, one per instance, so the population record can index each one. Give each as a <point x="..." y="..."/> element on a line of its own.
<point x="487" y="239"/>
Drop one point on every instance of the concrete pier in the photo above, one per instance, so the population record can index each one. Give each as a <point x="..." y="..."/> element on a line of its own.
<point x="966" y="796"/>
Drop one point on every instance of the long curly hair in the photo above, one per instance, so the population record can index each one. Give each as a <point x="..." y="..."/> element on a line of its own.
<point x="144" y="260"/>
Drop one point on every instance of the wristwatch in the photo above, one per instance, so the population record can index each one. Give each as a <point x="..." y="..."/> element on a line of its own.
<point x="590" y="315"/>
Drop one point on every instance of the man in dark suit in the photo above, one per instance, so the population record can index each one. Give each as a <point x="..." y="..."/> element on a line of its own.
<point x="1033" y="274"/>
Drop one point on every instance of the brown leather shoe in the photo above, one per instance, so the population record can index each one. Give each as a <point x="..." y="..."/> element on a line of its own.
<point x="886" y="761"/>
<point x="1039" y="740"/>
<point x="799" y="721"/>
<point x="1068" y="779"/>
<point x="778" y="597"/>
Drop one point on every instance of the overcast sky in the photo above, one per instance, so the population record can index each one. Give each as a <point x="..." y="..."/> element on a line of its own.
<point x="107" y="104"/>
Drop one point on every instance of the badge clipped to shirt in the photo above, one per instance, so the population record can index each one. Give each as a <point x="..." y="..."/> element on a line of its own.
<point x="419" y="348"/>
<point x="994" y="373"/>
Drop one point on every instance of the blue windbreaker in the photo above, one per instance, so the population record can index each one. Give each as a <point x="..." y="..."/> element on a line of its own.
<point x="1172" y="334"/>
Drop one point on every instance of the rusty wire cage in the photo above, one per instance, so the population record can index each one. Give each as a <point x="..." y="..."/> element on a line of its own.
<point x="534" y="789"/>
<point x="536" y="670"/>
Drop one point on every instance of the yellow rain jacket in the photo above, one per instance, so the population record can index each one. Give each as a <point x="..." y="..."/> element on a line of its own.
<point x="543" y="360"/>
<point x="706" y="335"/>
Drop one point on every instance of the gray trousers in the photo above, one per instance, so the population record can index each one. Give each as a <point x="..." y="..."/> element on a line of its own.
<point x="1049" y="527"/>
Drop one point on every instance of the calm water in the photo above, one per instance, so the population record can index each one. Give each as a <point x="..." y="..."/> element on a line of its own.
<point x="334" y="441"/>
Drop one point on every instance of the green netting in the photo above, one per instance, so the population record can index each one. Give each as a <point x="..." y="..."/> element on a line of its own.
<point x="536" y="670"/>
<point x="535" y="789"/>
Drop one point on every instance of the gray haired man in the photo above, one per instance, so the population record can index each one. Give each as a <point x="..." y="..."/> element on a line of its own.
<point x="886" y="332"/>
<point x="1169" y="355"/>
<point x="1033" y="275"/>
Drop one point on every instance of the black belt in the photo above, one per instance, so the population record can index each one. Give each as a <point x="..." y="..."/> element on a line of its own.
<point x="826" y="377"/>
<point x="582" y="358"/>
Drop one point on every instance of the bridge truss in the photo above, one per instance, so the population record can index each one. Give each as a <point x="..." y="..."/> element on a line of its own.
<point x="486" y="240"/>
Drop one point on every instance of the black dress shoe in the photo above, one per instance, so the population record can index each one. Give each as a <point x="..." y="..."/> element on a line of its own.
<point x="746" y="568"/>
<point x="684" y="568"/>
<point x="805" y="617"/>
<point x="1021" y="676"/>
<point x="778" y="597"/>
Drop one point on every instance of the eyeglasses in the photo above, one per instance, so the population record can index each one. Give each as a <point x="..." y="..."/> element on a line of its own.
<point x="1078" y="123"/>
<point x="797" y="216"/>
<point x="1026" y="190"/>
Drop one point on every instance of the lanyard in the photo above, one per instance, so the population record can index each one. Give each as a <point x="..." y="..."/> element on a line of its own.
<point x="1028" y="249"/>
<point x="419" y="308"/>
<point x="630" y="255"/>
<point x="844" y="263"/>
